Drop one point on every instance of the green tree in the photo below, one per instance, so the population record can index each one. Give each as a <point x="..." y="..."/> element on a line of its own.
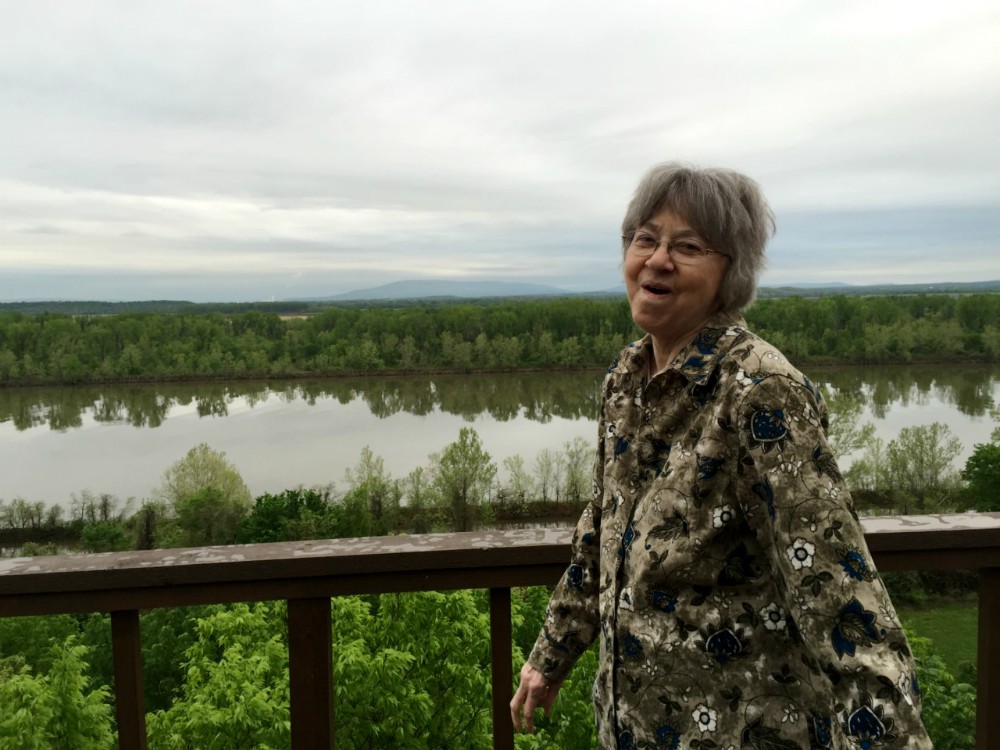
<point x="200" y="484"/>
<point x="431" y="691"/>
<point x="949" y="705"/>
<point x="372" y="483"/>
<point x="27" y="641"/>
<point x="920" y="466"/>
<point x="576" y="463"/>
<point x="209" y="517"/>
<point x="419" y="494"/>
<point x="518" y="488"/>
<point x="105" y="536"/>
<point x="462" y="475"/>
<point x="57" y="709"/>
<point x="845" y="434"/>
<point x="236" y="689"/>
<point x="982" y="473"/>
<point x="547" y="474"/>
<point x="203" y="467"/>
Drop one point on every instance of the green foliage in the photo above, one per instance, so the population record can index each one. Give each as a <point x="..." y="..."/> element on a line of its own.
<point x="412" y="671"/>
<point x="28" y="641"/>
<point x="499" y="334"/>
<point x="982" y="472"/>
<point x="462" y="475"/>
<point x="949" y="706"/>
<point x="920" y="465"/>
<point x="209" y="517"/>
<point x="845" y="433"/>
<point x="311" y="514"/>
<point x="235" y="692"/>
<point x="207" y="496"/>
<point x="58" y="709"/>
<point x="292" y="514"/>
<point x="952" y="627"/>
<point x="200" y="469"/>
<point x="913" y="473"/>
<point x="422" y="662"/>
<point x="105" y="536"/>
<point x="371" y="485"/>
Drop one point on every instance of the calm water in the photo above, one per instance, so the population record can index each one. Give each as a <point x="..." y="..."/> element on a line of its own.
<point x="55" y="442"/>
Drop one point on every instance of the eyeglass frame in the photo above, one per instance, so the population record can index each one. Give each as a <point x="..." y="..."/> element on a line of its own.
<point x="669" y="245"/>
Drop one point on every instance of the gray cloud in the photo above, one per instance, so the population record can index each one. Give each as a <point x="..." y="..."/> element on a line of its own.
<point x="162" y="144"/>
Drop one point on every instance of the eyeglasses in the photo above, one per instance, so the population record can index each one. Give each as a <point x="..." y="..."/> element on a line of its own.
<point x="683" y="250"/>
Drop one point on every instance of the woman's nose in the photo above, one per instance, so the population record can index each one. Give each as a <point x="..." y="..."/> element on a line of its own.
<point x="661" y="257"/>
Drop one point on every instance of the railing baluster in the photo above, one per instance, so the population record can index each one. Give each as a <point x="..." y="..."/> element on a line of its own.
<point x="503" y="677"/>
<point x="988" y="663"/>
<point x="310" y="673"/>
<point x="130" y="710"/>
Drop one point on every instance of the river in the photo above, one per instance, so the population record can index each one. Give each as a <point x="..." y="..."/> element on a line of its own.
<point x="57" y="442"/>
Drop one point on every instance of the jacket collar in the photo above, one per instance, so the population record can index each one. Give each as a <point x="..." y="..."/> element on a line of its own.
<point x="696" y="360"/>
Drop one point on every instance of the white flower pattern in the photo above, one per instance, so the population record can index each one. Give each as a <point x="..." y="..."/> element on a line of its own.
<point x="800" y="553"/>
<point x="722" y="515"/>
<point x="773" y="616"/>
<point x="704" y="718"/>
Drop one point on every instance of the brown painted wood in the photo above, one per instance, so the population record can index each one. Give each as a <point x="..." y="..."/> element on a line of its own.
<point x="501" y="652"/>
<point x="250" y="591"/>
<point x="130" y="709"/>
<point x="310" y="673"/>
<point x="988" y="662"/>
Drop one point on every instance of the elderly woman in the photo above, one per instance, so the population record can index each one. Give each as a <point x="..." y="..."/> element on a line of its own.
<point x="720" y="560"/>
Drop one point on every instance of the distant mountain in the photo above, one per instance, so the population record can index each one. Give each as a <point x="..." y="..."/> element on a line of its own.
<point x="405" y="293"/>
<point x="439" y="288"/>
<point x="872" y="290"/>
<point x="816" y="285"/>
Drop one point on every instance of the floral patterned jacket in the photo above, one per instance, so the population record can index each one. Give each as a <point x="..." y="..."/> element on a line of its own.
<point x="723" y="565"/>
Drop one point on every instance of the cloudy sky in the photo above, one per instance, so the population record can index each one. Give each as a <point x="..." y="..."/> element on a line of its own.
<point x="255" y="150"/>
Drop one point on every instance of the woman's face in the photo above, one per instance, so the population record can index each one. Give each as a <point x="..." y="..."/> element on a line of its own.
<point x="670" y="300"/>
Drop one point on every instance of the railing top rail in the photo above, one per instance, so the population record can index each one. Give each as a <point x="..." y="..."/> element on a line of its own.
<point x="955" y="531"/>
<point x="461" y="560"/>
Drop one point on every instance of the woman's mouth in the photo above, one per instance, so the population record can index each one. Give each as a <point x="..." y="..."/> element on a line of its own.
<point x="657" y="290"/>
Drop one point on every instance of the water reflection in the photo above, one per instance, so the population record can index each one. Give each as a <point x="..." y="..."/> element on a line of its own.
<point x="535" y="396"/>
<point x="969" y="389"/>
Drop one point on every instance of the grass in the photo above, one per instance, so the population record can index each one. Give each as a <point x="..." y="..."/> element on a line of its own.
<point x="952" y="627"/>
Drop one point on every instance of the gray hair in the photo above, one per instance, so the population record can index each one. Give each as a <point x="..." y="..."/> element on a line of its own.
<point x="725" y="207"/>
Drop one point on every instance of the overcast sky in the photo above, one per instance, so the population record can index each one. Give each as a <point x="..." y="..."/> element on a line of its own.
<point x="255" y="150"/>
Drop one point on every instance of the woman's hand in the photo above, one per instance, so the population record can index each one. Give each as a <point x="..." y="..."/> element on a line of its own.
<point x="533" y="692"/>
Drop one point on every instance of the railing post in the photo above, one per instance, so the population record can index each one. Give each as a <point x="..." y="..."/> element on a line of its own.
<point x="503" y="678"/>
<point x="310" y="673"/>
<point x="130" y="709"/>
<point x="988" y="663"/>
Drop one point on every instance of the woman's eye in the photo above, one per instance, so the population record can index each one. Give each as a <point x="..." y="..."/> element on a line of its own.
<point x="644" y="240"/>
<point x="688" y="248"/>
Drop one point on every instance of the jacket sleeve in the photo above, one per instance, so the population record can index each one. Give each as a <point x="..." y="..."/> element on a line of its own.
<point x="572" y="616"/>
<point x="835" y="602"/>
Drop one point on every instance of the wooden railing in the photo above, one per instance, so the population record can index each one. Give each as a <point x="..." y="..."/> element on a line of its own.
<point x="307" y="574"/>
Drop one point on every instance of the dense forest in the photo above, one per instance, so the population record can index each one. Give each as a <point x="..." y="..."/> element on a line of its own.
<point x="563" y="332"/>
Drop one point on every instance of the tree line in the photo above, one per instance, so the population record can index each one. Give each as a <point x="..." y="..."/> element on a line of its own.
<point x="203" y="500"/>
<point x="54" y="348"/>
